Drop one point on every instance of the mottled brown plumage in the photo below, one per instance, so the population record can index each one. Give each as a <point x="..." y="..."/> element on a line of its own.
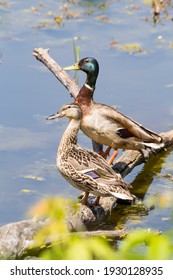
<point x="83" y="168"/>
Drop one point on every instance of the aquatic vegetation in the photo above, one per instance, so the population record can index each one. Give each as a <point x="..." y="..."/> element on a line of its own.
<point x="131" y="48"/>
<point x="35" y="178"/>
<point x="4" y="4"/>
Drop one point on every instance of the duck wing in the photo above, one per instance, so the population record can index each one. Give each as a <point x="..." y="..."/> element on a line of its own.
<point x="88" y="171"/>
<point x="88" y="180"/>
<point x="91" y="164"/>
<point x="126" y="127"/>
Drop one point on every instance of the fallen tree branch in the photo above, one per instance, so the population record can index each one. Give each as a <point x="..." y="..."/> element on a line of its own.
<point x="17" y="239"/>
<point x="43" y="56"/>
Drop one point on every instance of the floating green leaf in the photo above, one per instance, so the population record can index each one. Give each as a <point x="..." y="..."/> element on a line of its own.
<point x="26" y="190"/>
<point x="35" y="178"/>
<point x="131" y="48"/>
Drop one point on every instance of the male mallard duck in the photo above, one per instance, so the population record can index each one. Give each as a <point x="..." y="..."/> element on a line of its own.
<point x="104" y="124"/>
<point x="85" y="169"/>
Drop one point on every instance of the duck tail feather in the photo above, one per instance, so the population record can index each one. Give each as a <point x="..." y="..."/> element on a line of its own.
<point x="124" y="195"/>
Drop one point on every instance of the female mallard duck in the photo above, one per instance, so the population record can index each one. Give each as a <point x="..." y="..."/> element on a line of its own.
<point x="85" y="169"/>
<point x="105" y="125"/>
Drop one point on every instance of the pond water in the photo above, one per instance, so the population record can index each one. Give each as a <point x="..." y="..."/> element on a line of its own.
<point x="139" y="80"/>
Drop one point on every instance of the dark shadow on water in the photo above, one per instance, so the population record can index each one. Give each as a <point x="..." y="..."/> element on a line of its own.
<point x="145" y="178"/>
<point x="134" y="213"/>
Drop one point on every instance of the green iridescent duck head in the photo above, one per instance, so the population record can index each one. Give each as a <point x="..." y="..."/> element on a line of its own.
<point x="90" y="66"/>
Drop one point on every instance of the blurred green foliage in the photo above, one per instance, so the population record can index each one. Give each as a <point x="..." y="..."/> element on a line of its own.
<point x="147" y="245"/>
<point x="57" y="242"/>
<point x="64" y="244"/>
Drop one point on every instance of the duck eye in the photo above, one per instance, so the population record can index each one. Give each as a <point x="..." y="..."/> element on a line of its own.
<point x="86" y="60"/>
<point x="69" y="106"/>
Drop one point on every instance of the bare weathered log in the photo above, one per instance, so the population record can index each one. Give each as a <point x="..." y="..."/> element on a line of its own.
<point x="112" y="234"/>
<point x="15" y="238"/>
<point x="43" y="56"/>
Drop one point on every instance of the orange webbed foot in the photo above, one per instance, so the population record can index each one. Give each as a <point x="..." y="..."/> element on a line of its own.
<point x="110" y="161"/>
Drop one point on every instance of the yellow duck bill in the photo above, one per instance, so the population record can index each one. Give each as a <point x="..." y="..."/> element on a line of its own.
<point x="72" y="67"/>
